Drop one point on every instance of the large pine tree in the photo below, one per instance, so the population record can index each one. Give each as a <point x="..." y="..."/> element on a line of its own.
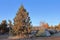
<point x="22" y="24"/>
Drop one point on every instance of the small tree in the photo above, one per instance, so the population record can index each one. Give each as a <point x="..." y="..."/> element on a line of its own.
<point x="3" y="27"/>
<point x="44" y="25"/>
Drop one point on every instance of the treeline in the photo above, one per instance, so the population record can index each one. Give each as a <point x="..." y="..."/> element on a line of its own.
<point x="47" y="26"/>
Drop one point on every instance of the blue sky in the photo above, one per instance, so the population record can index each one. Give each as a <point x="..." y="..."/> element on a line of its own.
<point x="39" y="10"/>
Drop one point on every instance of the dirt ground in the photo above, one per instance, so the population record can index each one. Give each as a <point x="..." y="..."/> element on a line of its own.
<point x="38" y="38"/>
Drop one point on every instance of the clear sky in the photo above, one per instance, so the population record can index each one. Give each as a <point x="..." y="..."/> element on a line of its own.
<point x="39" y="10"/>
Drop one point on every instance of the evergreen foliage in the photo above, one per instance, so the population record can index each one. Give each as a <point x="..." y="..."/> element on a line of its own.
<point x="22" y="24"/>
